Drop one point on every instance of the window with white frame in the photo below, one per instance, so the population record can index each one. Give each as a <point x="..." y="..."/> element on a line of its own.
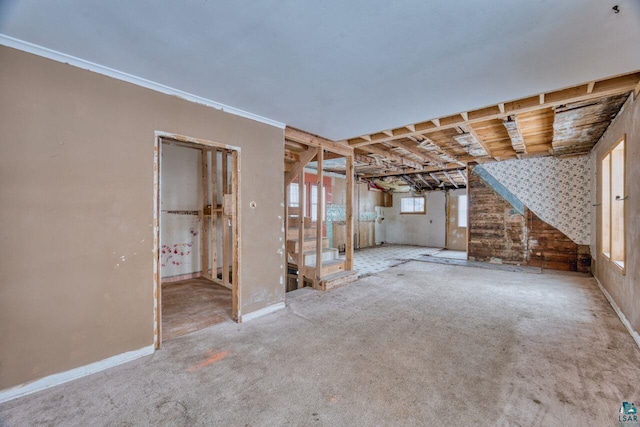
<point x="412" y="205"/>
<point x="462" y="210"/>
<point x="613" y="205"/>
<point x="294" y="195"/>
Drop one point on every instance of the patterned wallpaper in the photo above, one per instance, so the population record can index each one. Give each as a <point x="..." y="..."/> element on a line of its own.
<point x="557" y="190"/>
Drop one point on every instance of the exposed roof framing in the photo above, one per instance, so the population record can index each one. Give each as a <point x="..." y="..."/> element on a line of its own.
<point x="418" y="182"/>
<point x="513" y="129"/>
<point x="560" y="123"/>
<point x="601" y="88"/>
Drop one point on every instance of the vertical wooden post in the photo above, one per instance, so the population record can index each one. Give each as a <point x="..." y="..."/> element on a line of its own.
<point x="320" y="158"/>
<point x="204" y="218"/>
<point x="301" y="212"/>
<point x="349" y="214"/>
<point x="214" y="214"/>
<point x="225" y="219"/>
<point x="234" y="232"/>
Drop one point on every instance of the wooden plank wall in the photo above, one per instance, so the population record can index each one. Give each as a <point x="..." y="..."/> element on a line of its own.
<point x="550" y="248"/>
<point x="498" y="233"/>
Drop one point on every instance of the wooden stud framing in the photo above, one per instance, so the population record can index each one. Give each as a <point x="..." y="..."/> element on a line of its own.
<point x="316" y="141"/>
<point x="204" y="218"/>
<point x="349" y="213"/>
<point x="320" y="175"/>
<point x="305" y="157"/>
<point x="301" y="213"/>
<point x="225" y="220"/>
<point x="214" y="215"/>
<point x="234" y="201"/>
<point x="592" y="90"/>
<point x="235" y="247"/>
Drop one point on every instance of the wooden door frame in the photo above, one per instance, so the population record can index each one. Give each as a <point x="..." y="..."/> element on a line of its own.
<point x="236" y="221"/>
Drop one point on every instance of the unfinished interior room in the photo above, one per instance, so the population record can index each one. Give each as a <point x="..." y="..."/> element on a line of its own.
<point x="320" y="213"/>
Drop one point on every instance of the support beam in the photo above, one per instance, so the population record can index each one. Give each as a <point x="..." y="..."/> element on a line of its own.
<point x="349" y="214"/>
<point x="214" y="214"/>
<point x="427" y="169"/>
<point x="413" y="149"/>
<point x="301" y="214"/>
<point x="435" y="178"/>
<point x="424" y="181"/>
<point x="235" y="240"/>
<point x="463" y="176"/>
<point x="513" y="129"/>
<point x="403" y="161"/>
<point x="412" y="182"/>
<point x="441" y="150"/>
<point x="320" y="157"/>
<point x="480" y="141"/>
<point x="586" y="91"/>
<point x="226" y="256"/>
<point x="305" y="157"/>
<point x="317" y="141"/>
<point x="450" y="179"/>
<point x="205" y="219"/>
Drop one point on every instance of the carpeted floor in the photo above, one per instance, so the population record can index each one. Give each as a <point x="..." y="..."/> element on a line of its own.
<point x="420" y="344"/>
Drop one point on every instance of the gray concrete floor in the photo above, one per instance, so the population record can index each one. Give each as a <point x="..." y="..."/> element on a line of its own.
<point x="418" y="344"/>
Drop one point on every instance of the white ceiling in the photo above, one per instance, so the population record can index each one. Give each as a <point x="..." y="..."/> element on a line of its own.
<point x="343" y="68"/>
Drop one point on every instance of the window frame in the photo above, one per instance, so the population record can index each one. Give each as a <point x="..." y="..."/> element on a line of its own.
<point x="466" y="210"/>
<point x="424" y="206"/>
<point x="610" y="256"/>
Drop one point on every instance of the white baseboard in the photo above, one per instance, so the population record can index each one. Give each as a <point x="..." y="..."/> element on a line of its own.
<point x="620" y="314"/>
<point x="73" y="374"/>
<point x="263" y="311"/>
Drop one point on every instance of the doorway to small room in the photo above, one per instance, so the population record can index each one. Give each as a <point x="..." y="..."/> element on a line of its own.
<point x="456" y="206"/>
<point x="197" y="259"/>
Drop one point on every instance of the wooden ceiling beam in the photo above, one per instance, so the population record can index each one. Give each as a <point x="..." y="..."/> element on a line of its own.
<point x="441" y="150"/>
<point x="599" y="89"/>
<point x="463" y="176"/>
<point x="513" y="129"/>
<point x="479" y="140"/>
<point x="305" y="157"/>
<point x="424" y="181"/>
<point x="450" y="179"/>
<point x="424" y="170"/>
<point x="427" y="157"/>
<point x="310" y="140"/>
<point x="290" y="156"/>
<point x="401" y="160"/>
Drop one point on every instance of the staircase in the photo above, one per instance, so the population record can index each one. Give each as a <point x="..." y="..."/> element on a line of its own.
<point x="333" y="273"/>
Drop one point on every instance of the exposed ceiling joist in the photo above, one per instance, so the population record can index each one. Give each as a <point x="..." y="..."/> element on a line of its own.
<point x="413" y="149"/>
<point x="305" y="138"/>
<point x="399" y="160"/>
<point x="450" y="179"/>
<point x="517" y="141"/>
<point x="463" y="176"/>
<point x="600" y="88"/>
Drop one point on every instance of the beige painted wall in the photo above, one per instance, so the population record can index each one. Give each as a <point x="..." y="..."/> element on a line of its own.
<point x="76" y="212"/>
<point x="428" y="229"/>
<point x="624" y="289"/>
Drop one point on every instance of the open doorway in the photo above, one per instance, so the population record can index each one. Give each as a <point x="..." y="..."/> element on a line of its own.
<point x="197" y="260"/>
<point x="457" y="225"/>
